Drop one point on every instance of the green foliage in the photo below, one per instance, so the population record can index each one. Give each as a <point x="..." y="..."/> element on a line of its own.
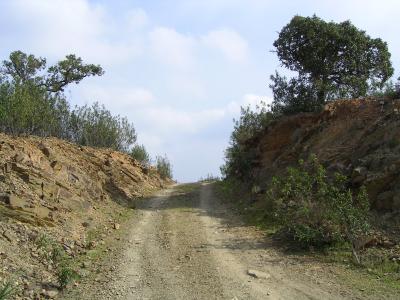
<point x="314" y="209"/>
<point x="69" y="70"/>
<point x="65" y="275"/>
<point x="389" y="89"/>
<point x="96" y="126"/>
<point x="209" y="178"/>
<point x="28" y="109"/>
<point x="6" y="291"/>
<point x="164" y="167"/>
<point x="238" y="156"/>
<point x="52" y="251"/>
<point x="294" y="95"/>
<point x="333" y="60"/>
<point x="140" y="153"/>
<point x="32" y="103"/>
<point x="22" y="68"/>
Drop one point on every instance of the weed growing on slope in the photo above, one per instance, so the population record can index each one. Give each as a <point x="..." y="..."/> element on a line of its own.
<point x="54" y="253"/>
<point x="66" y="274"/>
<point x="6" y="291"/>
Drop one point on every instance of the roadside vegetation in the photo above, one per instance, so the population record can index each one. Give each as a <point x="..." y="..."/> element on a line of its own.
<point x="338" y="69"/>
<point x="53" y="253"/>
<point x="316" y="210"/>
<point x="306" y="206"/>
<point x="33" y="102"/>
<point x="209" y="178"/>
<point x="332" y="61"/>
<point x="164" y="167"/>
<point x="6" y="291"/>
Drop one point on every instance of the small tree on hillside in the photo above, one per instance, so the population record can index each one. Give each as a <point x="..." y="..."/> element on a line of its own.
<point x="238" y="156"/>
<point x="164" y="167"/>
<point x="140" y="153"/>
<point x="333" y="60"/>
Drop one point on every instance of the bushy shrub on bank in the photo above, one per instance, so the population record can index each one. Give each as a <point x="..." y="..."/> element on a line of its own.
<point x="316" y="209"/>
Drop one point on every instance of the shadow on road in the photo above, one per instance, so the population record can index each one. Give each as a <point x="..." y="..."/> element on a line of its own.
<point x="186" y="198"/>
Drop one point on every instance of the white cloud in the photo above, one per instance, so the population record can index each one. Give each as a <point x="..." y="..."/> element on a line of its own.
<point x="120" y="98"/>
<point x="152" y="142"/>
<point x="165" y="120"/>
<point x="168" y="120"/>
<point x="54" y="28"/>
<point x="187" y="86"/>
<point x="137" y="19"/>
<point x="229" y="43"/>
<point x="172" y="48"/>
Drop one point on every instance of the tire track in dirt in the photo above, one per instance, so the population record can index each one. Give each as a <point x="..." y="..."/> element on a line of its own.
<point x="185" y="244"/>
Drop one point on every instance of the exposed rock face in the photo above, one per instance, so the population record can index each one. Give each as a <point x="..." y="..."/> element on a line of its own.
<point x="53" y="187"/>
<point x="360" y="138"/>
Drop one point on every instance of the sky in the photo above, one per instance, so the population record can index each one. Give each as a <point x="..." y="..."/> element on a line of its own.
<point x="178" y="69"/>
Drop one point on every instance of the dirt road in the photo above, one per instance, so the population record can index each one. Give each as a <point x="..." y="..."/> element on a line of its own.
<point x="184" y="244"/>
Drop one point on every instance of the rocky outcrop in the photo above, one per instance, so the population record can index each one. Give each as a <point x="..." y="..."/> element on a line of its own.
<point x="53" y="188"/>
<point x="360" y="138"/>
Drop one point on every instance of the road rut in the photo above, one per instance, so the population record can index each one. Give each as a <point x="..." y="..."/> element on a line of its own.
<point x="186" y="245"/>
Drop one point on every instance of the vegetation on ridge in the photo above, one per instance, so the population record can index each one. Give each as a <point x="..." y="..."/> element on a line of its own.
<point x="307" y="204"/>
<point x="32" y="102"/>
<point x="332" y="60"/>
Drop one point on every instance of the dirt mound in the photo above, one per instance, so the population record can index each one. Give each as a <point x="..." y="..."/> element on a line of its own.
<point x="63" y="193"/>
<point x="360" y="138"/>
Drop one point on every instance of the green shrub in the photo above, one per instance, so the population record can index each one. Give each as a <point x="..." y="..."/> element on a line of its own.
<point x="96" y="126"/>
<point x="239" y="156"/>
<point x="6" y="291"/>
<point x="32" y="102"/>
<point x="54" y="252"/>
<point x="164" y="167"/>
<point x="65" y="275"/>
<point x="210" y="178"/>
<point x="388" y="90"/>
<point x="293" y="95"/>
<point x="314" y="209"/>
<point x="51" y="249"/>
<point x="140" y="153"/>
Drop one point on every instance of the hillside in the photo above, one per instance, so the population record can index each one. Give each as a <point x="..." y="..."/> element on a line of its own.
<point x="58" y="196"/>
<point x="360" y="138"/>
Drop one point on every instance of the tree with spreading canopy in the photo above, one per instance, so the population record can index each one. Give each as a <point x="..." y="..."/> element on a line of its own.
<point x="23" y="68"/>
<point x="333" y="60"/>
<point x="32" y="102"/>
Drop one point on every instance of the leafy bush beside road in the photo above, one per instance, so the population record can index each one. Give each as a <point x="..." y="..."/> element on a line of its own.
<point x="316" y="209"/>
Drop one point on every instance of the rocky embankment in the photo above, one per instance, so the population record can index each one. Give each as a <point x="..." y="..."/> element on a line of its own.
<point x="360" y="138"/>
<point x="55" y="193"/>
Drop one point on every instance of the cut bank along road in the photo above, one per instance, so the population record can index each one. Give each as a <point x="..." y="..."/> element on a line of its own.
<point x="184" y="244"/>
